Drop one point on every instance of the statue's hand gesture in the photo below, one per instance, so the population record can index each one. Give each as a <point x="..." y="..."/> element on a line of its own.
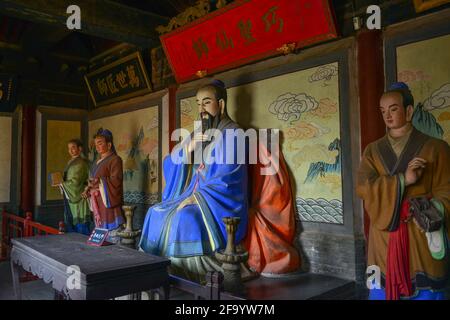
<point x="85" y="194"/>
<point x="198" y="138"/>
<point x="93" y="182"/>
<point x="414" y="171"/>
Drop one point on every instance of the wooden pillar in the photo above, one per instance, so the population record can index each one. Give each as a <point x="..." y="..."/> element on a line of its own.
<point x="371" y="86"/>
<point x="172" y="114"/>
<point x="28" y="158"/>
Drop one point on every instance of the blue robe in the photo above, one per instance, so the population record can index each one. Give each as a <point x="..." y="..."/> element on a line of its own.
<point x="380" y="294"/>
<point x="219" y="190"/>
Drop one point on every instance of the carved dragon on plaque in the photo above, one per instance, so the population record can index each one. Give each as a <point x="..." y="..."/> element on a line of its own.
<point x="201" y="8"/>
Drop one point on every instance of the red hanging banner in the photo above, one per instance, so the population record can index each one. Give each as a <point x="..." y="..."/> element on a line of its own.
<point x="245" y="31"/>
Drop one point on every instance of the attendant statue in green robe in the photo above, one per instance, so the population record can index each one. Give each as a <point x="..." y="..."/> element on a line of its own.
<point x="77" y="216"/>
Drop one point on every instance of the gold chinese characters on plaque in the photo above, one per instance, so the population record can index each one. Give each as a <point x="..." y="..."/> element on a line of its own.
<point x="123" y="79"/>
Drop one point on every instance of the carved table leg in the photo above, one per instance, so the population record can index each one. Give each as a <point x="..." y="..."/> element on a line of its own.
<point x="153" y="294"/>
<point x="15" y="271"/>
<point x="214" y="283"/>
<point x="135" y="296"/>
<point x="164" y="291"/>
<point x="58" y="295"/>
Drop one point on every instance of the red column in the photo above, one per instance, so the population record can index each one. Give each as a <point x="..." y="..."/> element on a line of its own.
<point x="4" y="239"/>
<point x="371" y="87"/>
<point x="172" y="114"/>
<point x="28" y="158"/>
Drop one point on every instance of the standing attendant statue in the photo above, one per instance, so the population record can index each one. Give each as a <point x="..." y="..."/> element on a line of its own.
<point x="105" y="188"/>
<point x="404" y="180"/>
<point x="77" y="217"/>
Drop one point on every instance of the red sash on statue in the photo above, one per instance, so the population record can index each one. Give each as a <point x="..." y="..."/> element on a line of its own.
<point x="95" y="209"/>
<point x="398" y="281"/>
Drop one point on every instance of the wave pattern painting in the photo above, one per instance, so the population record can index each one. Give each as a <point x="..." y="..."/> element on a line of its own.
<point x="320" y="210"/>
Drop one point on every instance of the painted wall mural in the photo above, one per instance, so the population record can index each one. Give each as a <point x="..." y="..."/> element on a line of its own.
<point x="5" y="158"/>
<point x="188" y="113"/>
<point x="136" y="138"/>
<point x="58" y="133"/>
<point x="304" y="105"/>
<point x="429" y="80"/>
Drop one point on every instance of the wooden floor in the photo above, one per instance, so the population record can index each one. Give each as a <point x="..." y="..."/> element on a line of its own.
<point x="300" y="287"/>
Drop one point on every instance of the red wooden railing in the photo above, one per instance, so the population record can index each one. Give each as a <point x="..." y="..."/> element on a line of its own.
<point x="14" y="226"/>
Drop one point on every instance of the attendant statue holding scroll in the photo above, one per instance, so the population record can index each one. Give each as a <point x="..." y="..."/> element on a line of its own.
<point x="105" y="188"/>
<point x="187" y="225"/>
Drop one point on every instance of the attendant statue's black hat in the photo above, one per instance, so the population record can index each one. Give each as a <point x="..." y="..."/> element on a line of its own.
<point x="403" y="89"/>
<point x="105" y="133"/>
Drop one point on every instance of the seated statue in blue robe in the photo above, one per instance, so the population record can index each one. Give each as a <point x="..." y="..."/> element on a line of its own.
<point x="187" y="225"/>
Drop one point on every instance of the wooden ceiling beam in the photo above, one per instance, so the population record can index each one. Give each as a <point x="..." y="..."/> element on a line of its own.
<point x="101" y="18"/>
<point x="11" y="48"/>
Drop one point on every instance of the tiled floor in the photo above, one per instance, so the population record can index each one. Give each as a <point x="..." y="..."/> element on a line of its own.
<point x="299" y="287"/>
<point x="33" y="290"/>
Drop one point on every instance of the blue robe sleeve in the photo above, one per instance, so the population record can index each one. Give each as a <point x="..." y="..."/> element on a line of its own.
<point x="175" y="174"/>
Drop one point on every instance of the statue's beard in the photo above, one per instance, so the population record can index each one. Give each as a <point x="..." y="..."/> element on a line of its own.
<point x="209" y="121"/>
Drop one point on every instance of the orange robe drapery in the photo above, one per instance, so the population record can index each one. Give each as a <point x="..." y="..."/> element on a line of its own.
<point x="271" y="225"/>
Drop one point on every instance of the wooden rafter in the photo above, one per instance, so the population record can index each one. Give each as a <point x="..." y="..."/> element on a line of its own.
<point x="100" y="18"/>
